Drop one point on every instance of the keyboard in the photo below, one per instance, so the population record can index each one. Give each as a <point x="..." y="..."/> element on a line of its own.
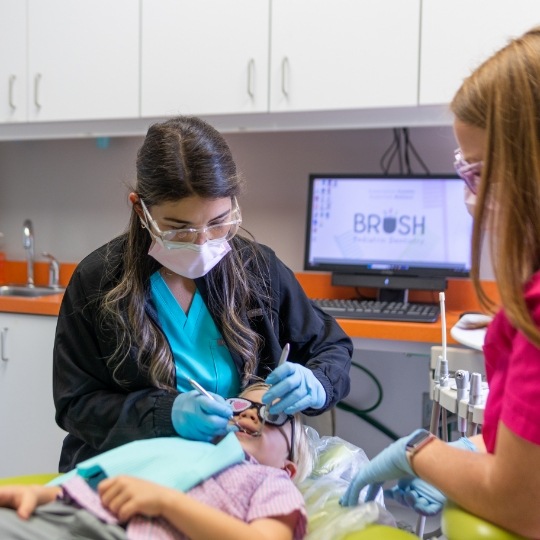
<point x="379" y="311"/>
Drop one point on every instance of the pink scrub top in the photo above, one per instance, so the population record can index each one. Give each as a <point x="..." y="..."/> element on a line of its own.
<point x="513" y="375"/>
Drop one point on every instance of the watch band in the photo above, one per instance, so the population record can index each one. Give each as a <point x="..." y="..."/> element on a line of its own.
<point x="419" y="439"/>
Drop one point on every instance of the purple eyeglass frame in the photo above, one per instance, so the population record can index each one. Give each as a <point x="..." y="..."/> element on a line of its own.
<point x="468" y="172"/>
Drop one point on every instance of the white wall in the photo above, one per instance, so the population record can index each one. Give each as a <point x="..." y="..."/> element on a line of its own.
<point x="75" y="193"/>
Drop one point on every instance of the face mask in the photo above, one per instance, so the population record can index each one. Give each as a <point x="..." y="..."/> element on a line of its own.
<point x="470" y="200"/>
<point x="189" y="260"/>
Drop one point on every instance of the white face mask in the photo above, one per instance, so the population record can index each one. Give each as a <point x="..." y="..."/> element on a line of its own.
<point x="188" y="260"/>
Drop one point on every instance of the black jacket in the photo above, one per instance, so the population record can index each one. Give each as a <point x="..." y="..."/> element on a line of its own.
<point x="99" y="414"/>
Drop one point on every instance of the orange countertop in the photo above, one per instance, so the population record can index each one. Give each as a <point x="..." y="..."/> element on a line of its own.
<point x="459" y="297"/>
<point x="43" y="305"/>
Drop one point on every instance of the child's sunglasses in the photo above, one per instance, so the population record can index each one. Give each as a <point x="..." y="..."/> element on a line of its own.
<point x="239" y="405"/>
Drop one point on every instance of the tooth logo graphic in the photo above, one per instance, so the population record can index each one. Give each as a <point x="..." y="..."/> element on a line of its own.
<point x="389" y="222"/>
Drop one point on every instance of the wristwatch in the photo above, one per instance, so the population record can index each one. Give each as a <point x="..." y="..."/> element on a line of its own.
<point x="417" y="442"/>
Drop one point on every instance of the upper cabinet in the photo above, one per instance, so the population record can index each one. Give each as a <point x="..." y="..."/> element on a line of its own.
<point x="204" y="56"/>
<point x="458" y="35"/>
<point x="344" y="54"/>
<point x="65" y="60"/>
<point x="83" y="60"/>
<point x="12" y="61"/>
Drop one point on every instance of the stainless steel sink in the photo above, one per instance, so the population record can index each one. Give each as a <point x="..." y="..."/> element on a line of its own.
<point x="29" y="292"/>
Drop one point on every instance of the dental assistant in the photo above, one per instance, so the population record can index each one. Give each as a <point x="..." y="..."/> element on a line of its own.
<point x="181" y="295"/>
<point x="495" y="475"/>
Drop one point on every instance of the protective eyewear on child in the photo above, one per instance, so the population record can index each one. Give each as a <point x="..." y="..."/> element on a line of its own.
<point x="239" y="405"/>
<point x="188" y="235"/>
<point x="470" y="173"/>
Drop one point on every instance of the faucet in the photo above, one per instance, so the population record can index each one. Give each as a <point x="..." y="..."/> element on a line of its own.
<point x="28" y="244"/>
<point x="54" y="271"/>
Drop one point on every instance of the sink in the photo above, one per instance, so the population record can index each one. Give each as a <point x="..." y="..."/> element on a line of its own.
<point x="29" y="292"/>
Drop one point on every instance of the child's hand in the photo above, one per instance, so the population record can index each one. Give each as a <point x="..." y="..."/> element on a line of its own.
<point x="25" y="499"/>
<point x="126" y="496"/>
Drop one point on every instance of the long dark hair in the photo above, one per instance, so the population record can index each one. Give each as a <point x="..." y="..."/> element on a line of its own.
<point x="179" y="158"/>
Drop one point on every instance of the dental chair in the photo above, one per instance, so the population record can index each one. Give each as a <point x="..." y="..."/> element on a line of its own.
<point x="336" y="462"/>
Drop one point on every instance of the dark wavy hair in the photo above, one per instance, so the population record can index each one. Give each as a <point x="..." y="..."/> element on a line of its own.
<point x="183" y="157"/>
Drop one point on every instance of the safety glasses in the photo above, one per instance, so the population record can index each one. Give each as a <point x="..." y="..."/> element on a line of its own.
<point x="188" y="235"/>
<point x="470" y="173"/>
<point x="239" y="405"/>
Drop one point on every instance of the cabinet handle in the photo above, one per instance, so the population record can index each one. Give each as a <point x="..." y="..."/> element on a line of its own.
<point x="284" y="76"/>
<point x="3" y="345"/>
<point x="37" y="80"/>
<point x="11" y="94"/>
<point x="251" y="78"/>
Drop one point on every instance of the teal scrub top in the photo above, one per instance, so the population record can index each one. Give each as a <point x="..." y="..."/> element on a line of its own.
<point x="199" y="350"/>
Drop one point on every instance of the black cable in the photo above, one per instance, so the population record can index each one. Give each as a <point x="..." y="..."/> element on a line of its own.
<point x="369" y="419"/>
<point x="363" y="413"/>
<point x="402" y="147"/>
<point x="377" y="384"/>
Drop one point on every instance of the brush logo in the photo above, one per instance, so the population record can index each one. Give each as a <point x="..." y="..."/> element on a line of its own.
<point x="389" y="223"/>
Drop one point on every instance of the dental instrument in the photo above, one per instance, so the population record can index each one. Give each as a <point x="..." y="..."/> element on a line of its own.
<point x="462" y="386"/>
<point x="202" y="391"/>
<point x="282" y="359"/>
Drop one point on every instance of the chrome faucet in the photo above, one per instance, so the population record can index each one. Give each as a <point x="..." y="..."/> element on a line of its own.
<point x="28" y="244"/>
<point x="54" y="271"/>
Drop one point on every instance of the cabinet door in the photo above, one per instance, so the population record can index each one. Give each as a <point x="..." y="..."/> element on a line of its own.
<point x="83" y="59"/>
<point x="457" y="35"/>
<point x="344" y="54"/>
<point x="204" y="56"/>
<point x="30" y="440"/>
<point x="12" y="60"/>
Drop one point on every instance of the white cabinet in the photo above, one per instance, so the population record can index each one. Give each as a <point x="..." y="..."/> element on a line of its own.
<point x="204" y="56"/>
<point x="83" y="59"/>
<point x="344" y="54"/>
<point x="12" y="61"/>
<point x="62" y="60"/>
<point x="30" y="440"/>
<point x="457" y="35"/>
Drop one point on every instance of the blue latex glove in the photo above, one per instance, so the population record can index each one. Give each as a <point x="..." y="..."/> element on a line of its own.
<point x="296" y="388"/>
<point x="422" y="497"/>
<point x="200" y="418"/>
<point x="389" y="464"/>
<point x="417" y="494"/>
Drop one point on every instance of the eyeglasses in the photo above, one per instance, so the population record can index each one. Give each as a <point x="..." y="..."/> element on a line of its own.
<point x="218" y="232"/>
<point x="470" y="173"/>
<point x="239" y="405"/>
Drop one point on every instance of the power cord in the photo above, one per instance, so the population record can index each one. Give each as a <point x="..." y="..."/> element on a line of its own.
<point x="402" y="149"/>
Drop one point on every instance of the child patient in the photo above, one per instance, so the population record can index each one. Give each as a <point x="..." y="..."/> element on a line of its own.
<point x="253" y="498"/>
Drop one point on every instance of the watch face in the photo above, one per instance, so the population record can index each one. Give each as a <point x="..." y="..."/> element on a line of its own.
<point x="419" y="437"/>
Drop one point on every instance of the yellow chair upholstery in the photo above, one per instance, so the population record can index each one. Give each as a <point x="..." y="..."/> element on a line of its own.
<point x="458" y="524"/>
<point x="380" y="532"/>
<point x="29" y="479"/>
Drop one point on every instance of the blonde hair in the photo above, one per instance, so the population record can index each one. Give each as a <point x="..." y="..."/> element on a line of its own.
<point x="502" y="96"/>
<point x="303" y="452"/>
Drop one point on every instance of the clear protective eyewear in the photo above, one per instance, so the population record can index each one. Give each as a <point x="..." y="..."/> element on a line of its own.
<point x="188" y="235"/>
<point x="470" y="173"/>
<point x="239" y="405"/>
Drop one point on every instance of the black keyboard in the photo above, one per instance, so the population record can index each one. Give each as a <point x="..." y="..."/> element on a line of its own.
<point x="379" y="311"/>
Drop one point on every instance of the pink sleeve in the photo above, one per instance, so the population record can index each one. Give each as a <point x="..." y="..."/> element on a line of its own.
<point x="276" y="495"/>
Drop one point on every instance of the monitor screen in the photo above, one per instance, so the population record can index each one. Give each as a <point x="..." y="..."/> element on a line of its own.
<point x="381" y="227"/>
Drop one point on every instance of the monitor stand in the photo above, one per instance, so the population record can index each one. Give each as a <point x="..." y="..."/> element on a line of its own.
<point x="393" y="295"/>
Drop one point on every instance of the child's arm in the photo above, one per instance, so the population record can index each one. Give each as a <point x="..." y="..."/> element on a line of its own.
<point x="127" y="496"/>
<point x="25" y="499"/>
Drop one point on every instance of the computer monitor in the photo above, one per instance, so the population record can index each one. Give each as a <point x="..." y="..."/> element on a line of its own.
<point x="392" y="232"/>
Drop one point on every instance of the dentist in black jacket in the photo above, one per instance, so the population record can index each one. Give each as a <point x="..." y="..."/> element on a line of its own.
<point x="182" y="296"/>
